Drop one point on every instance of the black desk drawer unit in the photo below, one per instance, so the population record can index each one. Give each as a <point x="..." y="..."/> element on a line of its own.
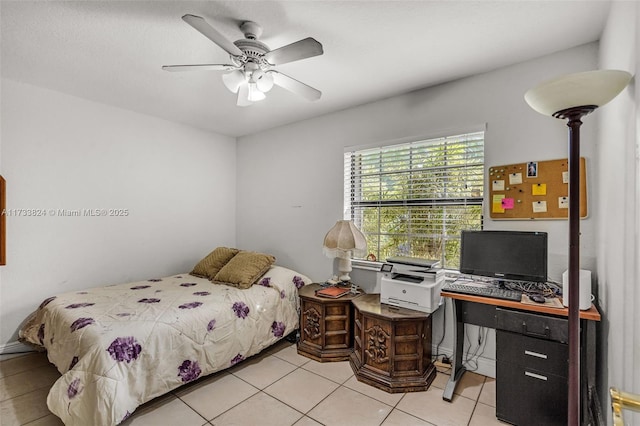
<point x="532" y="360"/>
<point x="533" y="325"/>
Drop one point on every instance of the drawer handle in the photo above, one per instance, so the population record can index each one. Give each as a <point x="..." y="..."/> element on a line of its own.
<point x="536" y="354"/>
<point x="547" y="331"/>
<point x="535" y="376"/>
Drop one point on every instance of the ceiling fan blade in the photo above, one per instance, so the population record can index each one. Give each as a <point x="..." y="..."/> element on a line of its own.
<point x="212" y="34"/>
<point x="305" y="48"/>
<point x="295" y="86"/>
<point x="200" y="67"/>
<point x="243" y="96"/>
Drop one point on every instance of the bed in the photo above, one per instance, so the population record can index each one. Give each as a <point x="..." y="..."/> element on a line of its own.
<point x="122" y="345"/>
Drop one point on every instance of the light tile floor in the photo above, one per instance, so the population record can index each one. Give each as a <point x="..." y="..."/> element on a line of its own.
<point x="277" y="387"/>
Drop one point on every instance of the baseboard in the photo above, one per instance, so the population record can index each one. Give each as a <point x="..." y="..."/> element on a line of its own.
<point x="486" y="367"/>
<point x="480" y="365"/>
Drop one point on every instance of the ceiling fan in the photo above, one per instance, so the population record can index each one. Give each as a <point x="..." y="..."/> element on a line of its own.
<point x="251" y="69"/>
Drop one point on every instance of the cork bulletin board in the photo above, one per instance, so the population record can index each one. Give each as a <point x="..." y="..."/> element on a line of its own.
<point x="534" y="190"/>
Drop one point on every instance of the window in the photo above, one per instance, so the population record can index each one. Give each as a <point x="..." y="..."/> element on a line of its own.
<point x="413" y="199"/>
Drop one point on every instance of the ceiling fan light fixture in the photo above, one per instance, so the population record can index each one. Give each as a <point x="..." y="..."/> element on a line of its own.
<point x="233" y="80"/>
<point x="264" y="81"/>
<point x="254" y="93"/>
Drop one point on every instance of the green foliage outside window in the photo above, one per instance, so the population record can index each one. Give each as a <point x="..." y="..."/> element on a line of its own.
<point x="414" y="199"/>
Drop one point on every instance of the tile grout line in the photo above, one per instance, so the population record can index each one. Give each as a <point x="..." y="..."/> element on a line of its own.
<point x="475" y="405"/>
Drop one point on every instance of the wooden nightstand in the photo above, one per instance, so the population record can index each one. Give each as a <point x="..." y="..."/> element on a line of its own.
<point x="326" y="329"/>
<point x="392" y="346"/>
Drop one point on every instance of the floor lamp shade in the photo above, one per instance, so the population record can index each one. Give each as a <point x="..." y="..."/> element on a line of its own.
<point x="590" y="88"/>
<point x="343" y="241"/>
<point x="571" y="97"/>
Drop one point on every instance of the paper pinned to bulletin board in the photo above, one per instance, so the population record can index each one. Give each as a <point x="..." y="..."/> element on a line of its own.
<point x="534" y="190"/>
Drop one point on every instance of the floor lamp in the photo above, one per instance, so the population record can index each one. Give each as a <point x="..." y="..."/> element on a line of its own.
<point x="571" y="97"/>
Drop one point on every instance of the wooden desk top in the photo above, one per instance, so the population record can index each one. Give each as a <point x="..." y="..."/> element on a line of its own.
<point x="590" y="314"/>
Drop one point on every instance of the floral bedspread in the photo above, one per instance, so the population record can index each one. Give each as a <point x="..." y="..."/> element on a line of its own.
<point x="122" y="345"/>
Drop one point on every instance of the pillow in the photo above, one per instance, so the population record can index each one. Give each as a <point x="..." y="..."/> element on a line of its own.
<point x="213" y="262"/>
<point x="244" y="269"/>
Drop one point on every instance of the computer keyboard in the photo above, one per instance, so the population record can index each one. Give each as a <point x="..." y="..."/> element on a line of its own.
<point x="484" y="291"/>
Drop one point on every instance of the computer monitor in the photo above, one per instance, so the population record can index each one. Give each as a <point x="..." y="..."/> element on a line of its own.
<point x="509" y="255"/>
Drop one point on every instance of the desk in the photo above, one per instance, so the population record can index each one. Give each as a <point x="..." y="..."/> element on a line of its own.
<point x="539" y="323"/>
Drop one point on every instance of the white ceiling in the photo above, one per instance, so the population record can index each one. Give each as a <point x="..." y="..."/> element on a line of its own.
<point x="112" y="51"/>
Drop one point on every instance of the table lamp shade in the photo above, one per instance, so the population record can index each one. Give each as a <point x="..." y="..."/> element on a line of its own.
<point x="344" y="240"/>
<point x="591" y="88"/>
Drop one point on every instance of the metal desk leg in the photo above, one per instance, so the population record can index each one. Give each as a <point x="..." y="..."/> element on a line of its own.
<point x="457" y="369"/>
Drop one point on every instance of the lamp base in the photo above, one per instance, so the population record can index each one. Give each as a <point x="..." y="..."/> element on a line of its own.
<point x="344" y="267"/>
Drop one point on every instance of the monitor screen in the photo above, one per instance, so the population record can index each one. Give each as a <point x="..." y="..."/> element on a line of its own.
<point x="510" y="255"/>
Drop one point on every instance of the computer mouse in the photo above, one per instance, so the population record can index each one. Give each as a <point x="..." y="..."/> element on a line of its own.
<point x="538" y="298"/>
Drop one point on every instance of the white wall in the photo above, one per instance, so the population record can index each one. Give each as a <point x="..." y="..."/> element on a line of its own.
<point x="62" y="152"/>
<point x="290" y="179"/>
<point x="618" y="239"/>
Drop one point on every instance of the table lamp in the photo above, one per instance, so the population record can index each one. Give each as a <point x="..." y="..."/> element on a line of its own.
<point x="571" y="97"/>
<point x="343" y="241"/>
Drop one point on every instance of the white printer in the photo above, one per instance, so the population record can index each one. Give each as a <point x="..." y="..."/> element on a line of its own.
<point x="412" y="283"/>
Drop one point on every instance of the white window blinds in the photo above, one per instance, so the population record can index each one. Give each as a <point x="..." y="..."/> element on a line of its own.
<point x="413" y="199"/>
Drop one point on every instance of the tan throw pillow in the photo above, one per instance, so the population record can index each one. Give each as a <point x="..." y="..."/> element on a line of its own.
<point x="213" y="262"/>
<point x="244" y="269"/>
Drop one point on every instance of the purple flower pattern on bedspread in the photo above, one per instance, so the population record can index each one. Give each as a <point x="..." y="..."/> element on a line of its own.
<point x="154" y="280"/>
<point x="74" y="389"/>
<point x="265" y="282"/>
<point x="149" y="300"/>
<point x="187" y="284"/>
<point x="46" y="301"/>
<point x="124" y="349"/>
<point x="189" y="371"/>
<point x="241" y="309"/>
<point x="79" y="305"/>
<point x="81" y="323"/>
<point x="140" y="287"/>
<point x="236" y="359"/>
<point x="298" y="282"/>
<point x="190" y="305"/>
<point x="201" y="293"/>
<point x="211" y="325"/>
<point x="277" y="328"/>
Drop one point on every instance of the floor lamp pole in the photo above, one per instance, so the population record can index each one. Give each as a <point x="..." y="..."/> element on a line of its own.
<point x="571" y="97"/>
<point x="573" y="115"/>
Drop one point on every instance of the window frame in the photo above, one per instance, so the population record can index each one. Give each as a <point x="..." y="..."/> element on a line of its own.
<point x="353" y="185"/>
